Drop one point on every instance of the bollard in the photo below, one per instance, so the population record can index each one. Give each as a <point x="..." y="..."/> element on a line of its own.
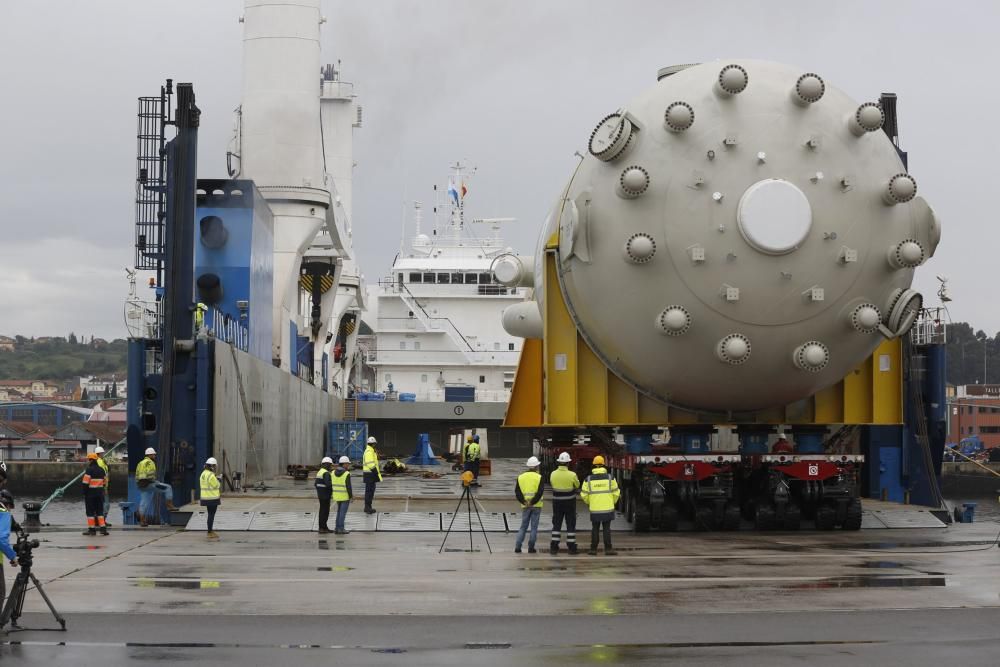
<point x="32" y="515"/>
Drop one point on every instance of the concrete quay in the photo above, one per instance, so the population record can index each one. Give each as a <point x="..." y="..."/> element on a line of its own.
<point x="915" y="596"/>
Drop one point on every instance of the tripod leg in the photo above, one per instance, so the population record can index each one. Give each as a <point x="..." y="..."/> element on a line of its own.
<point x="482" y="528"/>
<point x="468" y="507"/>
<point x="15" y="602"/>
<point x="453" y="515"/>
<point x="41" y="591"/>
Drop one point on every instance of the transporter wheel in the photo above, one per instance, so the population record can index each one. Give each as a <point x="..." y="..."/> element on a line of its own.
<point x="704" y="518"/>
<point x="642" y="519"/>
<point x="764" y="517"/>
<point x="826" y="516"/>
<point x="668" y="517"/>
<point x="854" y="515"/>
<point x="732" y="517"/>
<point x="793" y="517"/>
<point x="628" y="505"/>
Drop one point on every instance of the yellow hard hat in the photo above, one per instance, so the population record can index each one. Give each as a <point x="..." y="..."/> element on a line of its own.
<point x="598" y="460"/>
<point x="468" y="438"/>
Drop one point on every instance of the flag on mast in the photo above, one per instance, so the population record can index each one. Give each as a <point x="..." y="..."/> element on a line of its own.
<point x="464" y="189"/>
<point x="453" y="191"/>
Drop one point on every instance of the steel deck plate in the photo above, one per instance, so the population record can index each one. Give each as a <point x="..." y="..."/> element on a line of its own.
<point x="492" y="522"/>
<point x="908" y="519"/>
<point x="355" y="521"/>
<point x="619" y="524"/>
<point x="409" y="522"/>
<point x="869" y="520"/>
<point x="223" y="520"/>
<point x="282" y="521"/>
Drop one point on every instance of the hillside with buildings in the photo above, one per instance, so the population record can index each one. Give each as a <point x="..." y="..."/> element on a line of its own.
<point x="57" y="359"/>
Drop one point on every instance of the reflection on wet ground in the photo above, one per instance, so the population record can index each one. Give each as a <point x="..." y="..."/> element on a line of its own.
<point x="868" y="582"/>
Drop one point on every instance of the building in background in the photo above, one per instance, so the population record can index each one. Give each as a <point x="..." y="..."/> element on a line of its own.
<point x="974" y="410"/>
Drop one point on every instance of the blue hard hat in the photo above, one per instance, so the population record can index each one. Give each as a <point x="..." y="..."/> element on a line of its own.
<point x="475" y="438"/>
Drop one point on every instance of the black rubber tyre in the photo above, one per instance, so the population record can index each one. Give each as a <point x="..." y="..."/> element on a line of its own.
<point x="825" y="517"/>
<point x="642" y="519"/>
<point x="793" y="517"/>
<point x="629" y="502"/>
<point x="764" y="517"/>
<point x="854" y="515"/>
<point x="668" y="518"/>
<point x="732" y="517"/>
<point x="704" y="518"/>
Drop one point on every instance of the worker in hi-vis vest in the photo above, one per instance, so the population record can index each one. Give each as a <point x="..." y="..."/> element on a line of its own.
<point x="211" y="493"/>
<point x="565" y="485"/>
<point x="600" y="492"/>
<point x="370" y="473"/>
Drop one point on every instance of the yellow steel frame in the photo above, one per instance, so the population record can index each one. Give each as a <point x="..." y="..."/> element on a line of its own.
<point x="560" y="382"/>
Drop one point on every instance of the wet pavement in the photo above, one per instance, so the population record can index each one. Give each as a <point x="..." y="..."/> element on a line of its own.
<point x="920" y="596"/>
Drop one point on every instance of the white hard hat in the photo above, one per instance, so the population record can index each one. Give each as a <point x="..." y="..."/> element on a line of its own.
<point x="210" y="461"/>
<point x="150" y="451"/>
<point x="98" y="450"/>
<point x="344" y="459"/>
<point x="533" y="462"/>
<point x="372" y="440"/>
<point x="563" y="458"/>
<point x="326" y="459"/>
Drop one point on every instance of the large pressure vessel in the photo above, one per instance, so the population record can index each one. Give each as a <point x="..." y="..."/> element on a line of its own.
<point x="739" y="236"/>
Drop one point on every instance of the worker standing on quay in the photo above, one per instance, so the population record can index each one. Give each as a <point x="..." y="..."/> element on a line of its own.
<point x="342" y="493"/>
<point x="93" y="496"/>
<point x="528" y="491"/>
<point x="211" y="493"/>
<point x="565" y="485"/>
<point x="145" y="479"/>
<point x="472" y="457"/>
<point x="600" y="492"/>
<point x="370" y="473"/>
<point x="324" y="490"/>
<point x="107" y="481"/>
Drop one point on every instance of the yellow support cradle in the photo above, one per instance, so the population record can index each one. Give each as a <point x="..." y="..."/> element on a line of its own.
<point x="560" y="382"/>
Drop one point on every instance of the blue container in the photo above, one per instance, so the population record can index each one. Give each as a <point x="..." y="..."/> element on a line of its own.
<point x="346" y="439"/>
<point x="128" y="513"/>
<point x="406" y="397"/>
<point x="460" y="394"/>
<point x="968" y="512"/>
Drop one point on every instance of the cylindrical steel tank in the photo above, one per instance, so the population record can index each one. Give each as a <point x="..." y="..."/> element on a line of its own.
<point x="739" y="236"/>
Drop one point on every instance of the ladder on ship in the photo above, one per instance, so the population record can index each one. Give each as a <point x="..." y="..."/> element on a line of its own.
<point x="350" y="409"/>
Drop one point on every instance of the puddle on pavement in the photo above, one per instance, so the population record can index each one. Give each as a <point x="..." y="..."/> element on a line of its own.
<point x="87" y="547"/>
<point x="199" y="584"/>
<point x="868" y="582"/>
<point x="881" y="564"/>
<point x="334" y="568"/>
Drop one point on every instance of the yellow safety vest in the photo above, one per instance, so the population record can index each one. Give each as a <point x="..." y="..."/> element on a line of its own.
<point x="600" y="492"/>
<point x="107" y="473"/>
<point x="472" y="452"/>
<point x="339" y="484"/>
<point x="211" y="489"/>
<point x="528" y="483"/>
<point x="370" y="462"/>
<point x="146" y="469"/>
<point x="564" y="483"/>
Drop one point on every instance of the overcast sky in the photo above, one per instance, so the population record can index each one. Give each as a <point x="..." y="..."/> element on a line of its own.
<point x="513" y="88"/>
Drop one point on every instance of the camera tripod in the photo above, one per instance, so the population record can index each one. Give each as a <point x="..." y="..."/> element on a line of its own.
<point x="15" y="602"/>
<point x="467" y="497"/>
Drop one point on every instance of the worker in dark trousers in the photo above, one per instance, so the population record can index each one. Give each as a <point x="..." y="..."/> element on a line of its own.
<point x="93" y="496"/>
<point x="600" y="492"/>
<point x="342" y="493"/>
<point x="324" y="491"/>
<point x="210" y="493"/>
<point x="371" y="473"/>
<point x="565" y="485"/>
<point x="7" y="526"/>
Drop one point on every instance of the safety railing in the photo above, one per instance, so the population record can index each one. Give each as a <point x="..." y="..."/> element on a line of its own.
<point x="229" y="330"/>
<point x="143" y="319"/>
